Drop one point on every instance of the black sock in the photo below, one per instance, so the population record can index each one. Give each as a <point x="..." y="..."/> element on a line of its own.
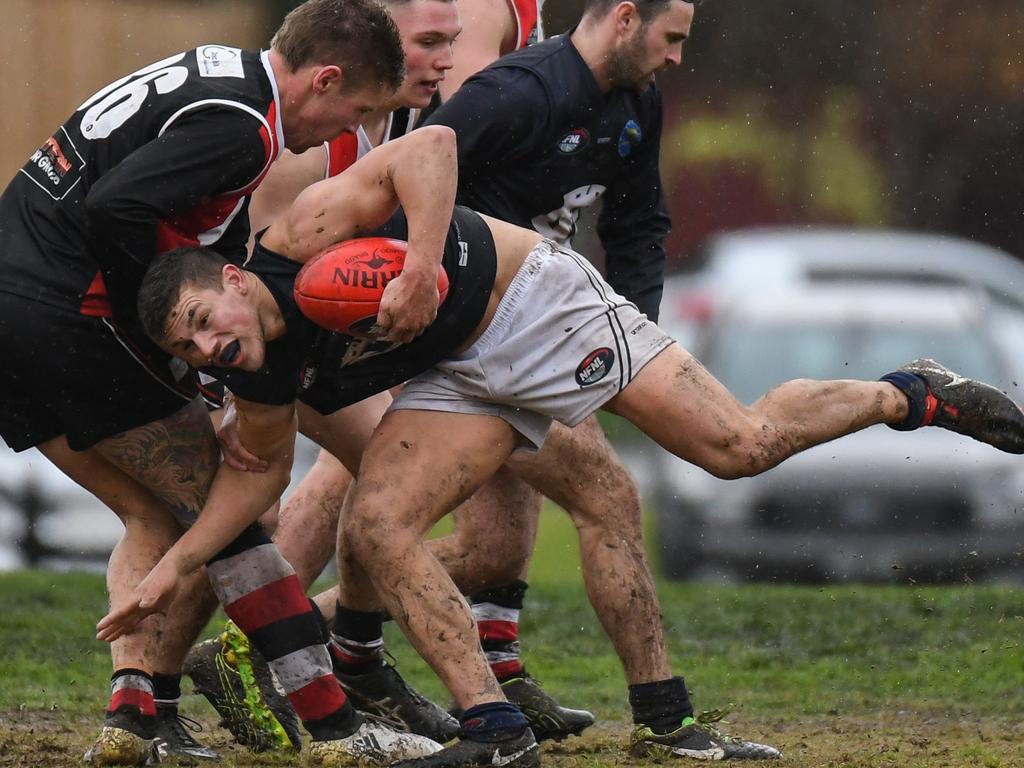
<point x="325" y="631"/>
<point x="661" y="705"/>
<point x="494" y="721"/>
<point x="916" y="391"/>
<point x="496" y="612"/>
<point x="339" y="724"/>
<point x="357" y="640"/>
<point x="507" y="596"/>
<point x="166" y="690"/>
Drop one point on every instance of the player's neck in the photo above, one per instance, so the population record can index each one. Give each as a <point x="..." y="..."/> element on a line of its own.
<point x="595" y="43"/>
<point x="286" y="93"/>
<point x="295" y="97"/>
<point x="269" y="313"/>
<point x="375" y="125"/>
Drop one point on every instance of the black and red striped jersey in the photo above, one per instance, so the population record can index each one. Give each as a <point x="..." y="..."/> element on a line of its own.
<point x="164" y="157"/>
<point x="529" y="28"/>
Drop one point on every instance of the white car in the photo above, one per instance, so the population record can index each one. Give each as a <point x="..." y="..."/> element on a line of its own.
<point x="762" y="261"/>
<point x="49" y="521"/>
<point x="876" y="505"/>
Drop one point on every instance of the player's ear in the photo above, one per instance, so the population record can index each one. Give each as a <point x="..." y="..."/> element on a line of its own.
<point x="326" y="79"/>
<point x="627" y="18"/>
<point x="233" y="276"/>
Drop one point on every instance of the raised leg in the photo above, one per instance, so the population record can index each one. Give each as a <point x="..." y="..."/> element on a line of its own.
<point x="689" y="412"/>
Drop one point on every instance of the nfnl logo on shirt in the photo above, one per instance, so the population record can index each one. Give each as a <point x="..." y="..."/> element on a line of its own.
<point x="573" y="141"/>
<point x="595" y="366"/>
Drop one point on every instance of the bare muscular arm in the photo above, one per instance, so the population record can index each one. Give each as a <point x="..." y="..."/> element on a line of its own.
<point x="418" y="171"/>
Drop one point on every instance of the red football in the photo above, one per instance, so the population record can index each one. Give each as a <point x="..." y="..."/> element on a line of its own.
<point x="340" y="289"/>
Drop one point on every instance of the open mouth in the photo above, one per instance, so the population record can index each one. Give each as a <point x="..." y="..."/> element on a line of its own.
<point x="230" y="353"/>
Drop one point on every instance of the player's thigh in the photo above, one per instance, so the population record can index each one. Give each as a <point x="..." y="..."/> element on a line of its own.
<point x="345" y="432"/>
<point x="500" y="519"/>
<point x="678" y="403"/>
<point x="69" y="374"/>
<point x="578" y="469"/>
<point x="175" y="457"/>
<point x="128" y="499"/>
<point x="419" y="465"/>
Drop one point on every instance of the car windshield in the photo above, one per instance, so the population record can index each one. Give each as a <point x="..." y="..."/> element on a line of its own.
<point x="751" y="360"/>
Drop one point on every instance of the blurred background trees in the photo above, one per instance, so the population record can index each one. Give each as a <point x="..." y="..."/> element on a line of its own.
<point x="902" y="113"/>
<point x="905" y="113"/>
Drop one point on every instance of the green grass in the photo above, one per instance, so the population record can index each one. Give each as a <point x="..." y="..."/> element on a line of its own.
<point x="849" y="650"/>
<point x="48" y="657"/>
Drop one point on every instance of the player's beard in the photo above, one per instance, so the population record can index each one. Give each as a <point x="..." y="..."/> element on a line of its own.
<point x="624" y="65"/>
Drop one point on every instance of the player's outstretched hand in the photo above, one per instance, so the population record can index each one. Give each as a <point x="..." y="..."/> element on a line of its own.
<point x="235" y="454"/>
<point x="408" y="305"/>
<point x="153" y="595"/>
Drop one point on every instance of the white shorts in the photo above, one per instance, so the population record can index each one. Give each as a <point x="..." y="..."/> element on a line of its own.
<point x="562" y="343"/>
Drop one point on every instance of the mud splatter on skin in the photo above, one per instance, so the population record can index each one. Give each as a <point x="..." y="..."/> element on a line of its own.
<point x="692" y="376"/>
<point x="769" y="451"/>
<point x="320" y="215"/>
<point x="319" y="230"/>
<point x="431" y="608"/>
<point x="602" y="501"/>
<point x="881" y="412"/>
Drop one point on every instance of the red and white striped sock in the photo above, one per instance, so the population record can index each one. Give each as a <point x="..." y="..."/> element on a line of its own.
<point x="497" y="617"/>
<point x="357" y="640"/>
<point x="132" y="705"/>
<point x="262" y="595"/>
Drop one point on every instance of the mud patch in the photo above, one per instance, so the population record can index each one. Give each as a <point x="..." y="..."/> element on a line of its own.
<point x="902" y="738"/>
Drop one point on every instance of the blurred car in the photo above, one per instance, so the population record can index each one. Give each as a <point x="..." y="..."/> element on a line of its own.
<point x="761" y="260"/>
<point x="49" y="521"/>
<point x="875" y="505"/>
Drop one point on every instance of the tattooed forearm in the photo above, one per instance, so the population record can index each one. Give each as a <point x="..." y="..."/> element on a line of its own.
<point x="175" y="458"/>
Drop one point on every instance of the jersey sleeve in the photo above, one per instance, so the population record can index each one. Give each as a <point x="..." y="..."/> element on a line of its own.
<point x="206" y="153"/>
<point x="495" y="115"/>
<point x="634" y="223"/>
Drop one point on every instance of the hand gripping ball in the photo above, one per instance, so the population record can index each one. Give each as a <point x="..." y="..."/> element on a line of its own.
<point x="340" y="289"/>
